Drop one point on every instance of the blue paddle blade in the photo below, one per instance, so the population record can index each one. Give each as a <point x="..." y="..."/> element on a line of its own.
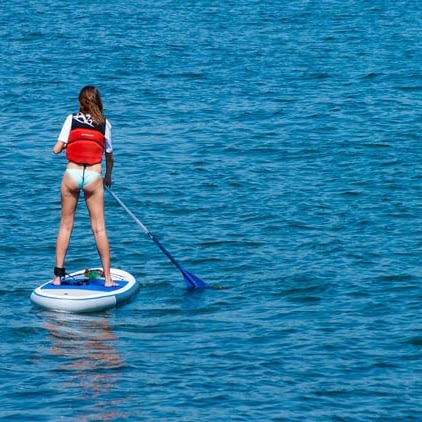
<point x="193" y="282"/>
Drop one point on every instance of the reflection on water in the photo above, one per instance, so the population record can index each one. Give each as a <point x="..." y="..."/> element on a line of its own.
<point x="83" y="347"/>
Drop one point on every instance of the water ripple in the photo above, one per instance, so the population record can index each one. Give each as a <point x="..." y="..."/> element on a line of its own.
<point x="275" y="151"/>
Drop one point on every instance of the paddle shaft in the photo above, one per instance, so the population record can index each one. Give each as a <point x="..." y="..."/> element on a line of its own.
<point x="144" y="229"/>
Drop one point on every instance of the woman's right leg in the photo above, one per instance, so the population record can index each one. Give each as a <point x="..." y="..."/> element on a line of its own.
<point x="94" y="198"/>
<point x="70" y="195"/>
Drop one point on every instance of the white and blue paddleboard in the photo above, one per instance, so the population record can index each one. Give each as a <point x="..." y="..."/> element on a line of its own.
<point x="82" y="292"/>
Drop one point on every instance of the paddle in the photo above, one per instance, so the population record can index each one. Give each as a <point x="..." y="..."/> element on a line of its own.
<point x="192" y="281"/>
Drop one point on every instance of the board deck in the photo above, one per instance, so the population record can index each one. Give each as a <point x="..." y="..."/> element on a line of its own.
<point x="79" y="293"/>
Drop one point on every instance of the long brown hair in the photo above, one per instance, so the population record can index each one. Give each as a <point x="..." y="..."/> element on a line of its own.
<point x="90" y="103"/>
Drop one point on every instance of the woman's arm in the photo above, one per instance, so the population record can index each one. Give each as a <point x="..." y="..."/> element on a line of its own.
<point x="109" y="168"/>
<point x="63" y="136"/>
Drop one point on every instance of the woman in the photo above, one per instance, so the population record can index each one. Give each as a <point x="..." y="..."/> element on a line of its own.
<point x="86" y="136"/>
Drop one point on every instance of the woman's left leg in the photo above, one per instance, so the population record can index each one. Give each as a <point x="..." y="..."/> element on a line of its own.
<point x="69" y="195"/>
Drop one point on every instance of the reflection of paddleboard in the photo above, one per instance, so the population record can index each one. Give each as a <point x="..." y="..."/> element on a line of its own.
<point x="85" y="292"/>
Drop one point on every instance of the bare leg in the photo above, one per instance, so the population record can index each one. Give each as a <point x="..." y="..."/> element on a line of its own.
<point x="70" y="196"/>
<point x="94" y="198"/>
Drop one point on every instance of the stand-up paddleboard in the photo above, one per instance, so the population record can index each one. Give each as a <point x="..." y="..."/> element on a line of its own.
<point x="84" y="291"/>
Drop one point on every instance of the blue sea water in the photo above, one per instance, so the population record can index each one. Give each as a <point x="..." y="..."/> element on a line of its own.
<point x="274" y="148"/>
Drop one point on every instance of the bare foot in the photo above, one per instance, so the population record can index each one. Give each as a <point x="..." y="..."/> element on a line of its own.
<point x="110" y="283"/>
<point x="56" y="281"/>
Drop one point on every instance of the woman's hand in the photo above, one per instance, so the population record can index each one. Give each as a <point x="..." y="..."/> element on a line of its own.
<point x="59" y="147"/>
<point x="107" y="181"/>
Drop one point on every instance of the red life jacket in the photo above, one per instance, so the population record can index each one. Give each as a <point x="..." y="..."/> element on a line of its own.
<point x="86" y="142"/>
